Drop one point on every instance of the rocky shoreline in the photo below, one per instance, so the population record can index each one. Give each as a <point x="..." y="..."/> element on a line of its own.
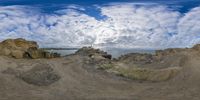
<point x="92" y="74"/>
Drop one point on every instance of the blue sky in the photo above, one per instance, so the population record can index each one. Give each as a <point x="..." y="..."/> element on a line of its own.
<point x="52" y="5"/>
<point x="120" y="23"/>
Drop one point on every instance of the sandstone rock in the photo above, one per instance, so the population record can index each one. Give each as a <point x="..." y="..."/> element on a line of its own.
<point x="5" y="51"/>
<point x="21" y="48"/>
<point x="17" y="54"/>
<point x="18" y="44"/>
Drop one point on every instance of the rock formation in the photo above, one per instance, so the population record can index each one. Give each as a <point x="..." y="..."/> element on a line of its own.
<point x="40" y="75"/>
<point x="136" y="58"/>
<point x="21" y="48"/>
<point x="196" y="47"/>
<point x="161" y="66"/>
<point x="91" y="52"/>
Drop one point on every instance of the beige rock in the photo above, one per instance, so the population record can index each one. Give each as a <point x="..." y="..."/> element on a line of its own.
<point x="17" y="54"/>
<point x="21" y="48"/>
<point x="5" y="52"/>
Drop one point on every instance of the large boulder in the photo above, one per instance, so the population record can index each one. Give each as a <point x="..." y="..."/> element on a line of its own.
<point x="21" y="48"/>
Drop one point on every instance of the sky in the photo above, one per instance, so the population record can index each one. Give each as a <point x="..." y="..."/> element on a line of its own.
<point x="144" y="24"/>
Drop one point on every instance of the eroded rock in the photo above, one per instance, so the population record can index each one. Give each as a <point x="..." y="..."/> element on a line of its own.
<point x="21" y="48"/>
<point x="91" y="52"/>
<point x="136" y="58"/>
<point x="40" y="75"/>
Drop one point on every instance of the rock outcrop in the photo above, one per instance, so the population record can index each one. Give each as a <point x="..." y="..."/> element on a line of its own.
<point x="40" y="75"/>
<point x="196" y="47"/>
<point x="161" y="66"/>
<point x="21" y="48"/>
<point x="91" y="52"/>
<point x="136" y="58"/>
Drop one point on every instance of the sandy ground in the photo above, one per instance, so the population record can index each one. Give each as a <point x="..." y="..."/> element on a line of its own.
<point x="83" y="82"/>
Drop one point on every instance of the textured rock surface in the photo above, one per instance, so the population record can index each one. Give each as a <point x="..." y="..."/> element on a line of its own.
<point x="21" y="48"/>
<point x="161" y="66"/>
<point x="136" y="58"/>
<point x="88" y="51"/>
<point x="40" y="75"/>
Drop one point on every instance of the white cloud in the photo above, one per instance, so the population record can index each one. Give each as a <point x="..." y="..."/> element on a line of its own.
<point x="141" y="26"/>
<point x="72" y="6"/>
<point x="68" y="29"/>
<point x="128" y="25"/>
<point x="188" y="29"/>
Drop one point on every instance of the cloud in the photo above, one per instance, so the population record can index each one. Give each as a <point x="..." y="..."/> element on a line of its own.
<point x="141" y="26"/>
<point x="69" y="29"/>
<point x="125" y="25"/>
<point x="188" y="29"/>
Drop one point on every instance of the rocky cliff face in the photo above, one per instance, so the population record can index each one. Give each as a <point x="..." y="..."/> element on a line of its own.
<point x="21" y="48"/>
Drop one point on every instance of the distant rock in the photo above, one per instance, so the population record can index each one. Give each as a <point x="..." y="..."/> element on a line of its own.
<point x="136" y="57"/>
<point x="162" y="53"/>
<point x="21" y="48"/>
<point x="196" y="47"/>
<point x="139" y="58"/>
<point x="91" y="52"/>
